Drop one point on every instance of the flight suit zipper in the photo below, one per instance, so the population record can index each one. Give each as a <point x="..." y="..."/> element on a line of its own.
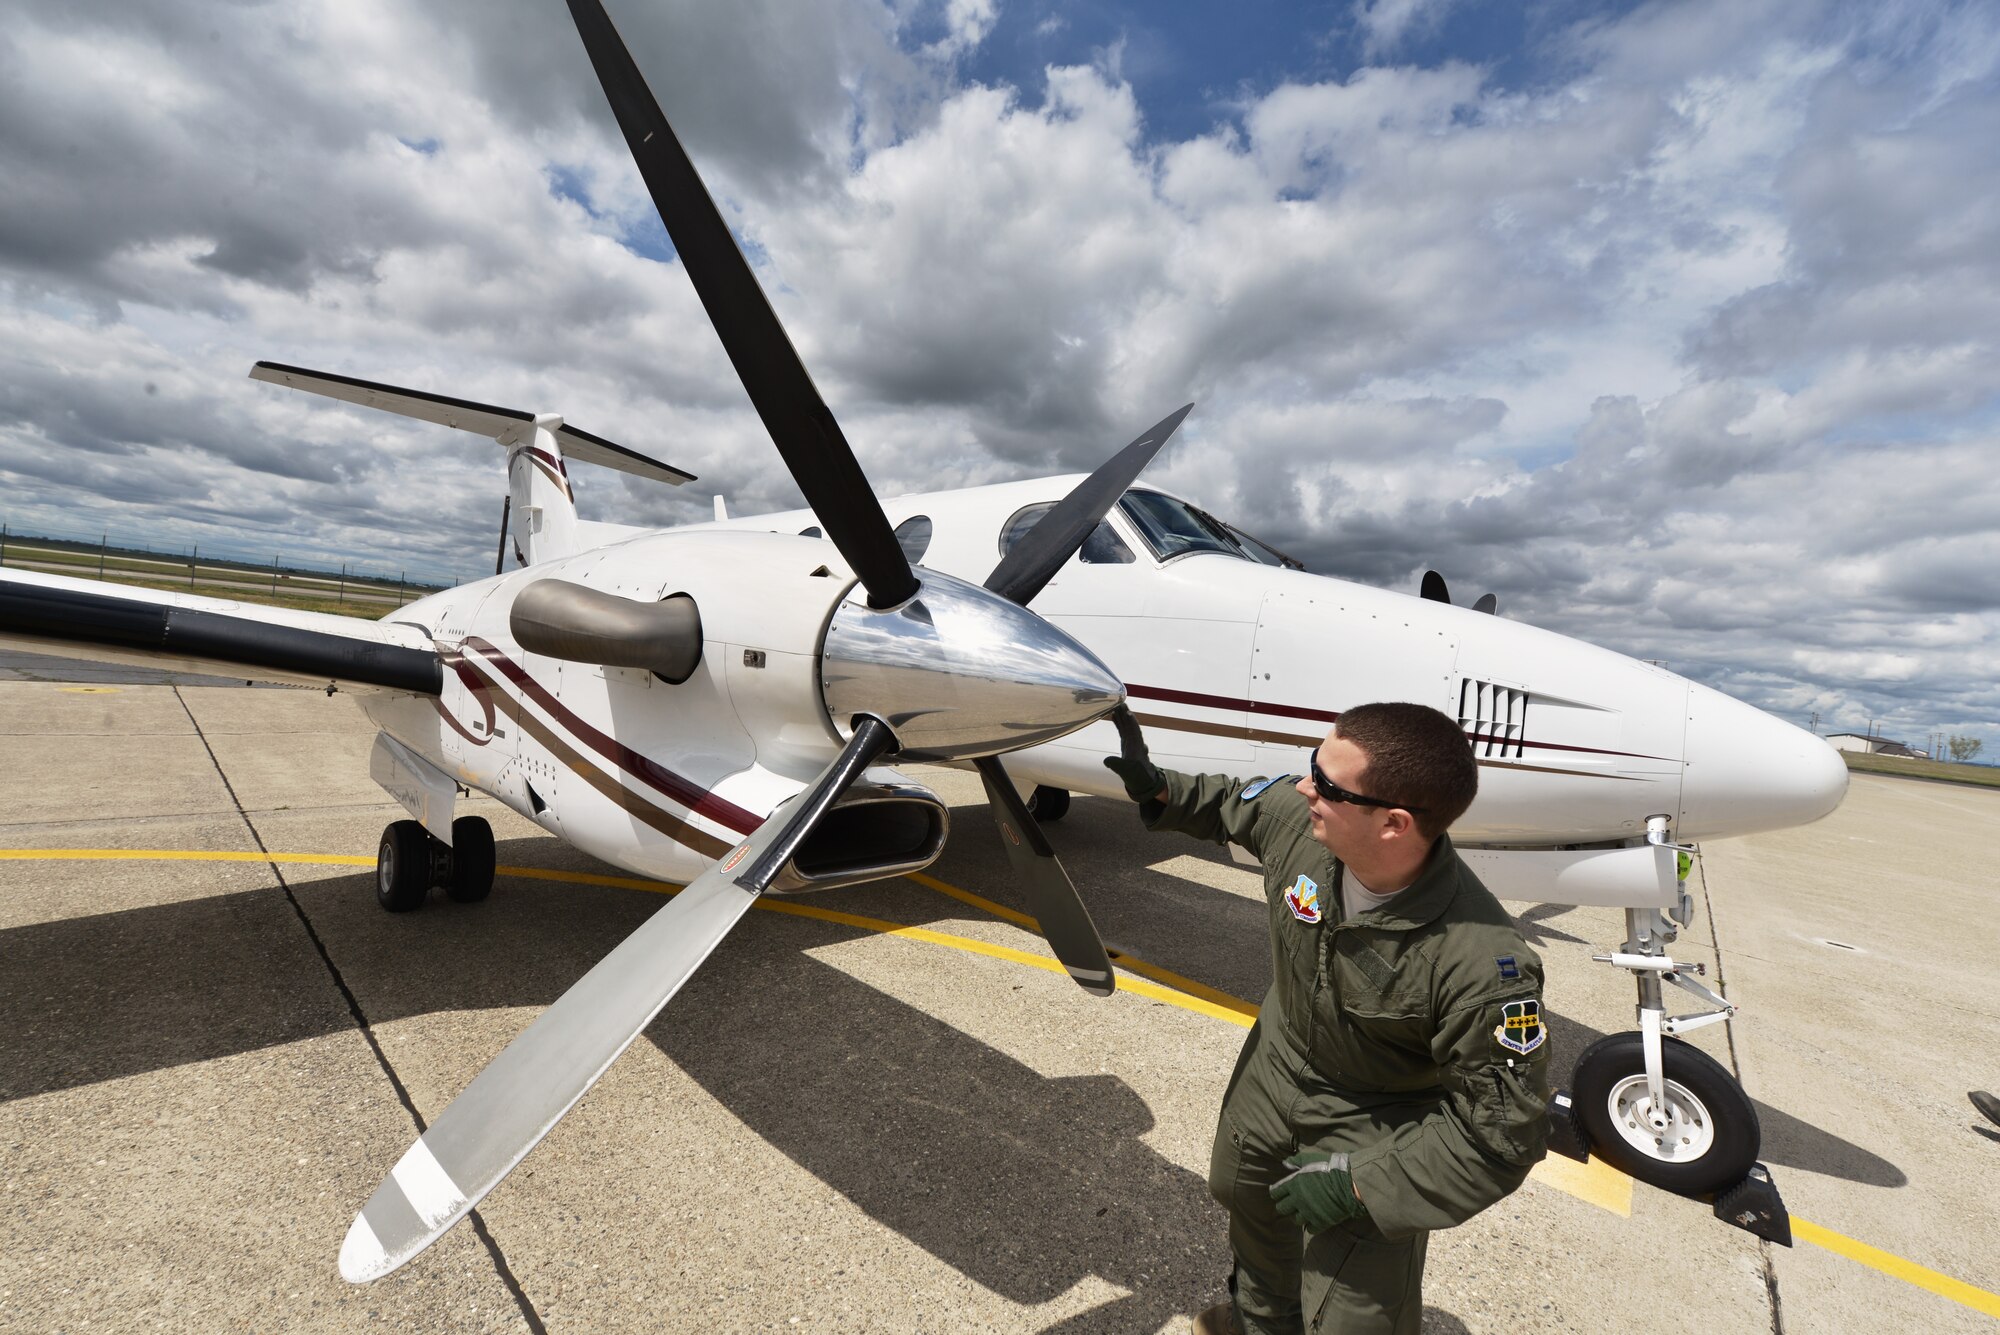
<point x="1323" y="976"/>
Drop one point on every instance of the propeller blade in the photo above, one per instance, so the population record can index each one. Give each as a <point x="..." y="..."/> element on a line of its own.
<point x="524" y="1092"/>
<point x="1488" y="604"/>
<point x="1051" y="894"/>
<point x="1434" y="589"/>
<point x="1024" y="571"/>
<point x="801" y="425"/>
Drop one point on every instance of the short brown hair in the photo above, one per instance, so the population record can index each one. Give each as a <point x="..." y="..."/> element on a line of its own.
<point x="1416" y="756"/>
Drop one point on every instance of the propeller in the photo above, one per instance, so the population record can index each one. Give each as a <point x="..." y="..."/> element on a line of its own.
<point x="525" y="1091"/>
<point x="930" y="651"/>
<point x="1434" y="589"/>
<point x="780" y="388"/>
<point x="1033" y="561"/>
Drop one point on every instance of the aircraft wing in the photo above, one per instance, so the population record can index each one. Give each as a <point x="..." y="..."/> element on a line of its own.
<point x="116" y="623"/>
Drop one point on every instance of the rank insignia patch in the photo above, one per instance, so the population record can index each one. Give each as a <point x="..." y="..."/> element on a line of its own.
<point x="1508" y="969"/>
<point x="1520" y="1029"/>
<point x="1258" y="787"/>
<point x="1303" y="899"/>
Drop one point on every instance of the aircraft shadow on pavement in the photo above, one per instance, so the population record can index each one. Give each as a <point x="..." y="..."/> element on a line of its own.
<point x="111" y="995"/>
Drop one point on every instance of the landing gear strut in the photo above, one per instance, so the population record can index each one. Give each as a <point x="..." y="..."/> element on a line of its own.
<point x="1657" y="1108"/>
<point x="409" y="861"/>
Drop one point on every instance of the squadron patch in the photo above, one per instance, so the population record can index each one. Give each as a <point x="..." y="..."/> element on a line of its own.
<point x="1520" y="1028"/>
<point x="1508" y="969"/>
<point x="1258" y="787"/>
<point x="1303" y="899"/>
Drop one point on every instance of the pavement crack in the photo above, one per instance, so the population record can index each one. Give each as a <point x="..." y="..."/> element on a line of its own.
<point x="360" y="1018"/>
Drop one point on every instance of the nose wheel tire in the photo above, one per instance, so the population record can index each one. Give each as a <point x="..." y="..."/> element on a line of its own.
<point x="471" y="878"/>
<point x="1701" y="1139"/>
<point x="1047" y="804"/>
<point x="403" y="867"/>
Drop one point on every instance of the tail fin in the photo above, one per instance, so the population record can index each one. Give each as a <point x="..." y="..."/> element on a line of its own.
<point x="543" y="502"/>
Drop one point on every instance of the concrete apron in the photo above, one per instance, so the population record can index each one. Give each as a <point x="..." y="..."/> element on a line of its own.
<point x="833" y="1128"/>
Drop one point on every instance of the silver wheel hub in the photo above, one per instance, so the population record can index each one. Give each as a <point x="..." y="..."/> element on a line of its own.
<point x="1679" y="1130"/>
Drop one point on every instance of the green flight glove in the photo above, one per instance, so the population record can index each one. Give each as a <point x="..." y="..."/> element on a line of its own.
<point x="1318" y="1193"/>
<point x="1134" y="763"/>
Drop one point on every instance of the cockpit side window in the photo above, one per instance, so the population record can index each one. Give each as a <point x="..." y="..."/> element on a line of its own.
<point x="1174" y="528"/>
<point x="1103" y="547"/>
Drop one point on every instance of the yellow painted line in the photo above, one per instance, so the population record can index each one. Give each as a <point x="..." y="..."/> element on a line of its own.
<point x="1235" y="1008"/>
<point x="1979" y="1300"/>
<point x="1595" y="1182"/>
<point x="175" y="855"/>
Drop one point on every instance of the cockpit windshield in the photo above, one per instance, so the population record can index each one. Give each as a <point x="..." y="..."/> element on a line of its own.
<point x="1174" y="528"/>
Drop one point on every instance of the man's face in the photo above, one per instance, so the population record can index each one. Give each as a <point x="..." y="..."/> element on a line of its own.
<point x="1343" y="827"/>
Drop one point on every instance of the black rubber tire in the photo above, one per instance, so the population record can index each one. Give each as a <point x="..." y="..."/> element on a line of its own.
<point x="471" y="860"/>
<point x="1731" y="1117"/>
<point x="1048" y="804"/>
<point x="403" y="867"/>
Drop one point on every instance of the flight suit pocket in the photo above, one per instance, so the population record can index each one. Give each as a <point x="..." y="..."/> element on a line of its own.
<point x="1385" y="1014"/>
<point x="1356" y="1282"/>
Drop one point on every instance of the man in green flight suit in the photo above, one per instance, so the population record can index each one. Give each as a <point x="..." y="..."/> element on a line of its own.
<point x="1396" y="1079"/>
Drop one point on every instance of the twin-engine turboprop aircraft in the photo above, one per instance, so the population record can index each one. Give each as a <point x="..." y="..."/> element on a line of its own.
<point x="708" y="704"/>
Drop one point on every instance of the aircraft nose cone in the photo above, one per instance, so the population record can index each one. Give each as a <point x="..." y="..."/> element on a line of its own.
<point x="958" y="672"/>
<point x="1749" y="771"/>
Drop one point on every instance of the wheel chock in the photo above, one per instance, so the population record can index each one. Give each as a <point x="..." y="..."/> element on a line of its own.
<point x="1753" y="1206"/>
<point x="1565" y="1131"/>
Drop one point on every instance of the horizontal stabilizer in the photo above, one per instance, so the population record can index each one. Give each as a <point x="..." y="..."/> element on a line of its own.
<point x="503" y="424"/>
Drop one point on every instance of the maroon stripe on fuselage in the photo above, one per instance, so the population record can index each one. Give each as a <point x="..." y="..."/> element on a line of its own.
<point x="653" y="774"/>
<point x="1329" y="716"/>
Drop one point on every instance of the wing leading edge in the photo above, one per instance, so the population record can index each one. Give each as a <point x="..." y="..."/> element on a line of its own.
<point x="114" y="623"/>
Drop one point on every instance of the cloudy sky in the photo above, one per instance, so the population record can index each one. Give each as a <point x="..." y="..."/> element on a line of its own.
<point x="1673" y="324"/>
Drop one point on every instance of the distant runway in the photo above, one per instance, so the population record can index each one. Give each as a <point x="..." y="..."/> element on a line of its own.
<point x="874" y="1110"/>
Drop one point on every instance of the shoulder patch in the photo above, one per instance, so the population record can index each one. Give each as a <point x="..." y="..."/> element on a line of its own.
<point x="1251" y="793"/>
<point x="1508" y="968"/>
<point x="1520" y="1028"/>
<point x="1303" y="899"/>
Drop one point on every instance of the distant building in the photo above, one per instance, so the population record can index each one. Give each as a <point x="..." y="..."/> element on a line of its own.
<point x="1874" y="746"/>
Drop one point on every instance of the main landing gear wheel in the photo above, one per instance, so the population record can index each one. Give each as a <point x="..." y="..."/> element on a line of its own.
<point x="1047" y="804"/>
<point x="403" y="867"/>
<point x="471" y="878"/>
<point x="1702" y="1141"/>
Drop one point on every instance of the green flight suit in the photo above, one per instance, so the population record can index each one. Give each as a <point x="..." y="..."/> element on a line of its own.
<point x="1408" y="1037"/>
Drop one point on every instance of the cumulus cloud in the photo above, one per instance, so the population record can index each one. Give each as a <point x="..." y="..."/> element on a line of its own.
<point x="1681" y="338"/>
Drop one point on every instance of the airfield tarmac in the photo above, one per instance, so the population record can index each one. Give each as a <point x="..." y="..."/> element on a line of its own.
<point x="881" y="1109"/>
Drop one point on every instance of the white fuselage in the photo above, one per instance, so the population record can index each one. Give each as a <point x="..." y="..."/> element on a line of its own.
<point x="1238" y="668"/>
<point x="1232" y="666"/>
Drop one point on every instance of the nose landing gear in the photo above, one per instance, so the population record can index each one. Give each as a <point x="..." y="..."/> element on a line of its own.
<point x="1661" y="1110"/>
<point x="410" y="860"/>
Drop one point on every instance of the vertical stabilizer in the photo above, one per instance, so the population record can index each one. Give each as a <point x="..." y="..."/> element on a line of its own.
<point x="543" y="519"/>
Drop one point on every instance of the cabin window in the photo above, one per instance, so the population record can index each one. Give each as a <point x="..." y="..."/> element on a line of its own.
<point x="1102" y="548"/>
<point x="913" y="535"/>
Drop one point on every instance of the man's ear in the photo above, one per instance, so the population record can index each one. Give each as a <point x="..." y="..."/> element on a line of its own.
<point x="1399" y="822"/>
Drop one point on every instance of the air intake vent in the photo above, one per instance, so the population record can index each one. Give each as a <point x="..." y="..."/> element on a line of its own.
<point x="1495" y="718"/>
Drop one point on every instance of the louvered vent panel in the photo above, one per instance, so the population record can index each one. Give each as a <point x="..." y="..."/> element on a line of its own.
<point x="1495" y="718"/>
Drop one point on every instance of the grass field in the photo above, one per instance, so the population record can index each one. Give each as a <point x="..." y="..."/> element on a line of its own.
<point x="310" y="591"/>
<point x="1979" y="776"/>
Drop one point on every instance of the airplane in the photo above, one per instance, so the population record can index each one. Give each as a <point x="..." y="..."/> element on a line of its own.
<point x="709" y="705"/>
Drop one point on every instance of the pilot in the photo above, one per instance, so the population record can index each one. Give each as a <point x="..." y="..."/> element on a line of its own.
<point x="1396" y="1079"/>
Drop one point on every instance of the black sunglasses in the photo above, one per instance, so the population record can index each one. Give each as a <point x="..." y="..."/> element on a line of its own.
<point x="1333" y="792"/>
